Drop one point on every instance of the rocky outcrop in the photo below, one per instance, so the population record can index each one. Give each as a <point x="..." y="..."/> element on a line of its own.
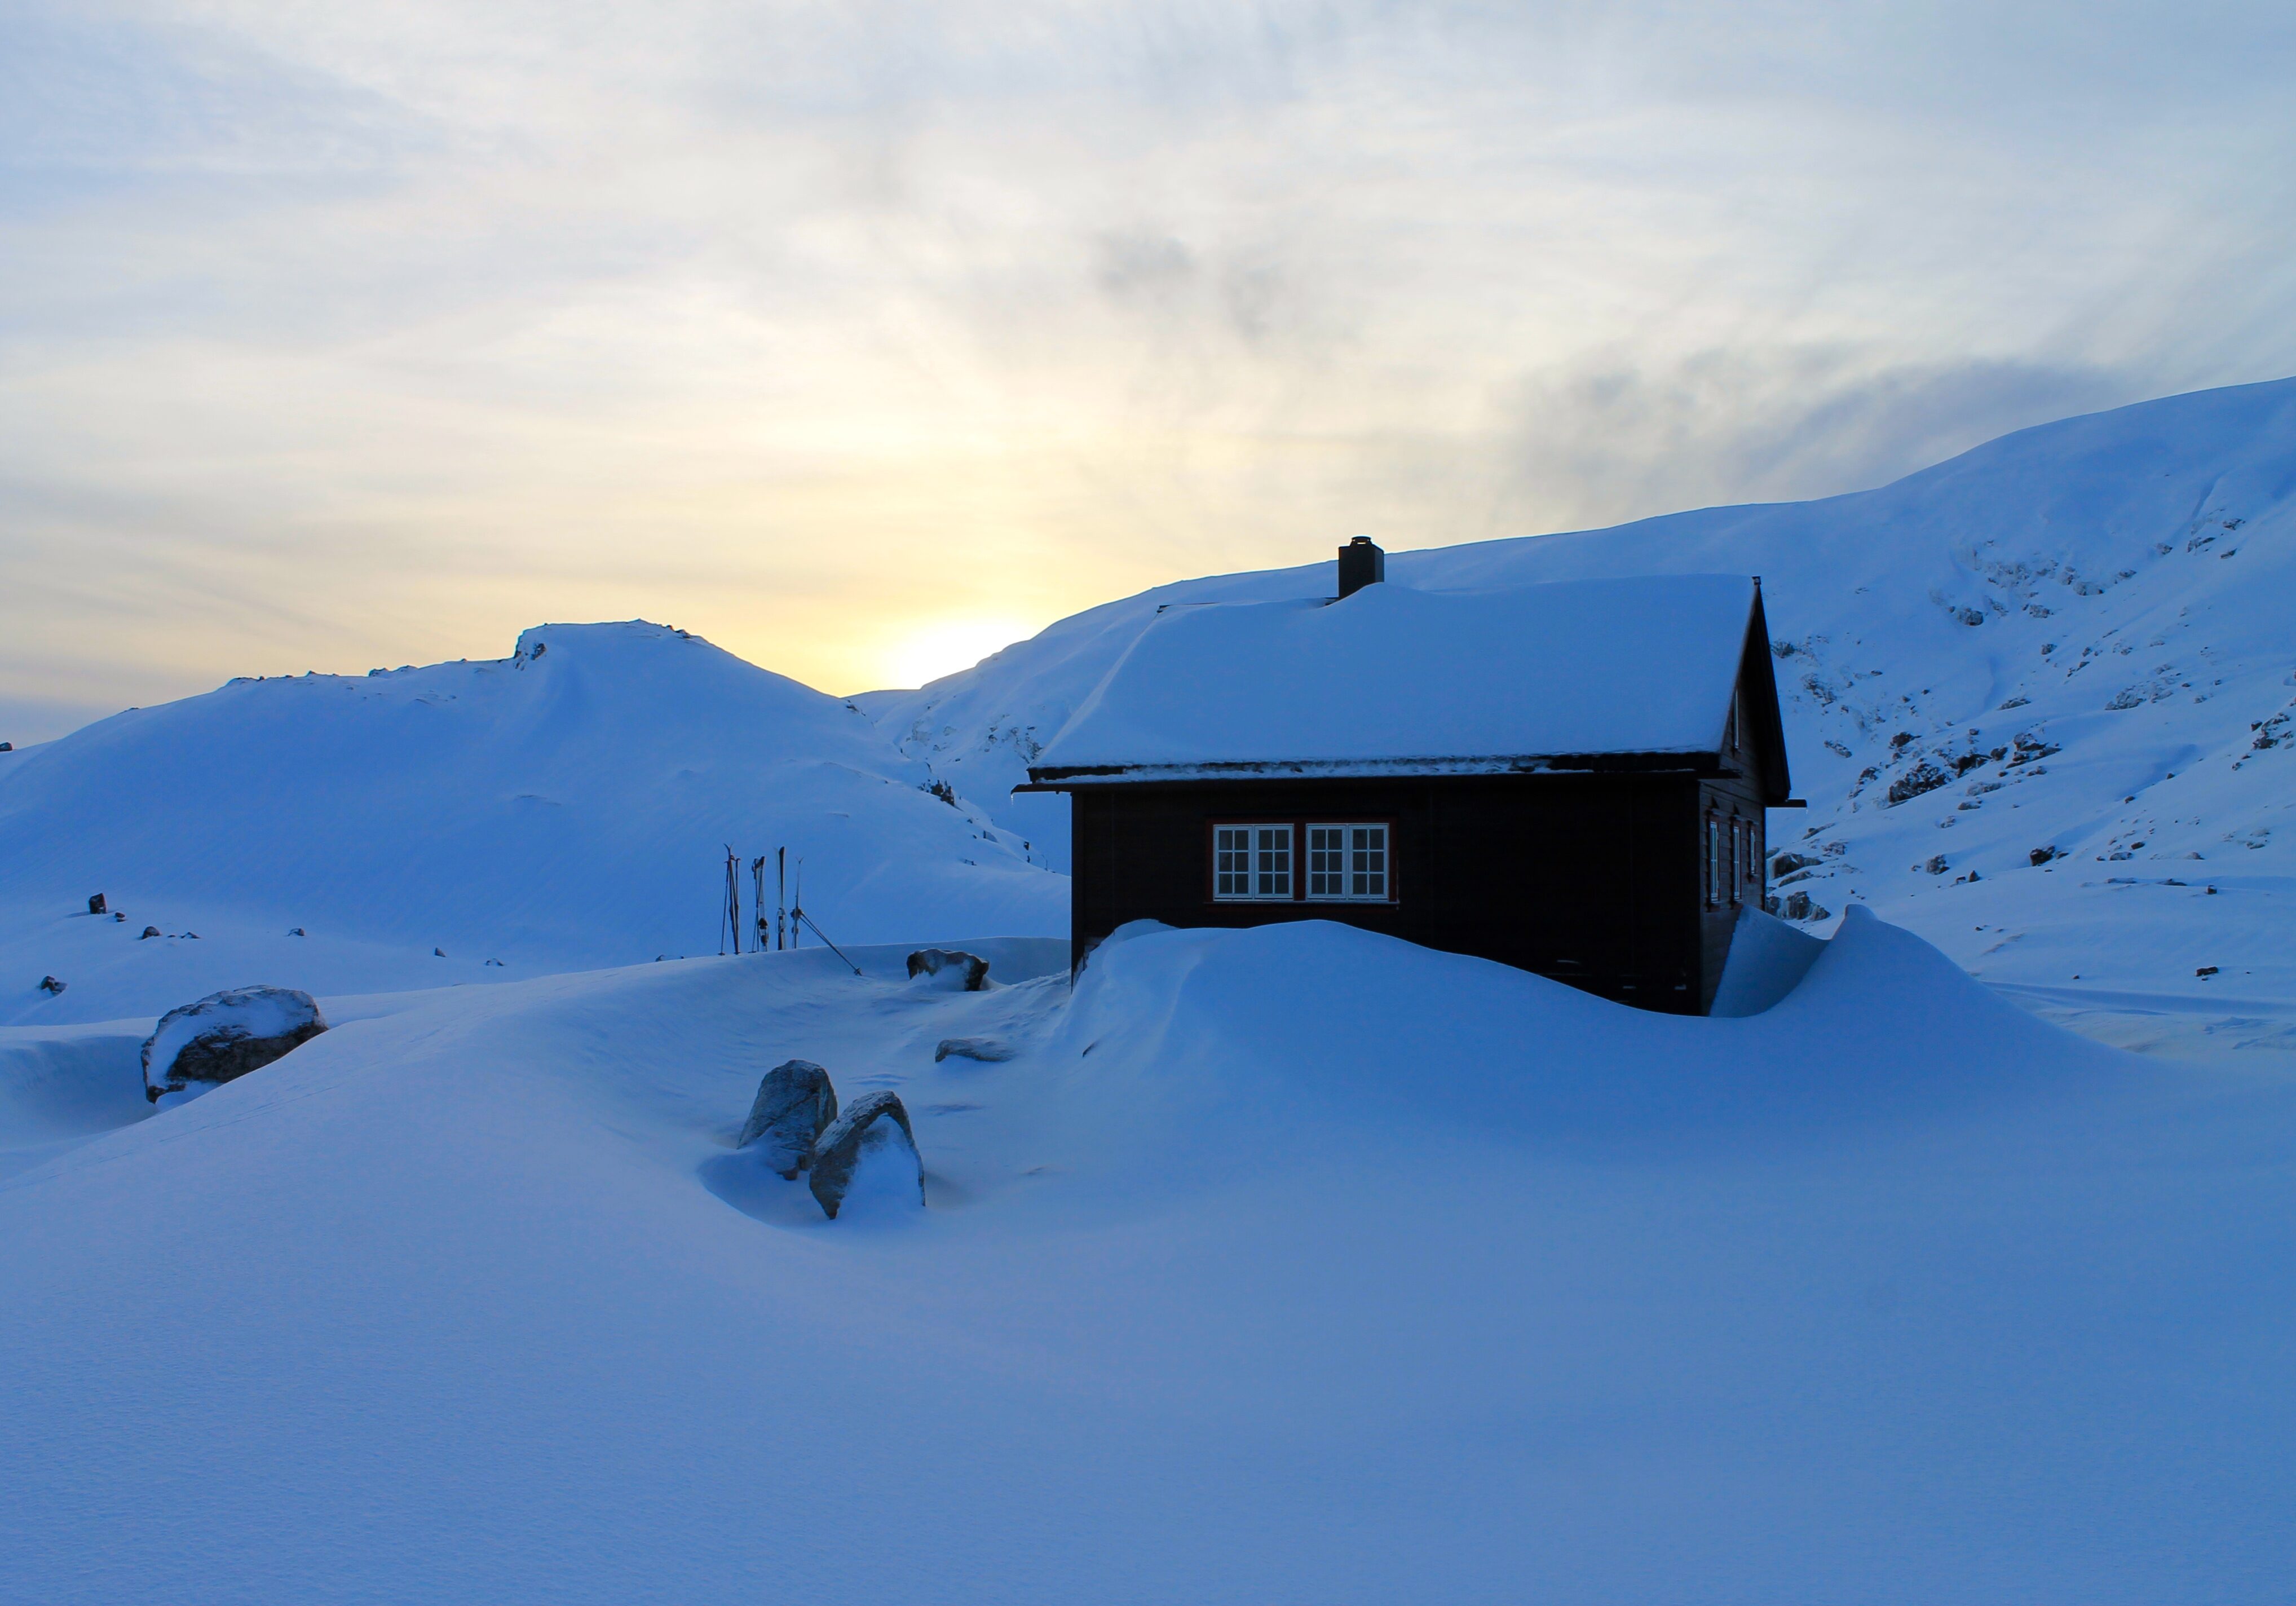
<point x="1923" y="777"/>
<point x="960" y="970"/>
<point x="226" y="1035"/>
<point x="986" y="1049"/>
<point x="794" y="1106"/>
<point x="871" y="1154"/>
<point x="1796" y="905"/>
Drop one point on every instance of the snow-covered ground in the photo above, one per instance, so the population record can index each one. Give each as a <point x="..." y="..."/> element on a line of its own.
<point x="2078" y="638"/>
<point x="1294" y="1265"/>
<point x="566" y="807"/>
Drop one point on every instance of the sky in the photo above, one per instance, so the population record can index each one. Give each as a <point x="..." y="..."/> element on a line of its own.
<point x="863" y="337"/>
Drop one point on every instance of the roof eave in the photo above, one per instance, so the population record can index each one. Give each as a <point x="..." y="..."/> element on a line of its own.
<point x="1076" y="776"/>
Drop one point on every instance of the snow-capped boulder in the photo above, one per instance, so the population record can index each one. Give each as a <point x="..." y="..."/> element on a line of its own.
<point x="950" y="970"/>
<point x="794" y="1106"/>
<point x="868" y="1160"/>
<point x="226" y="1035"/>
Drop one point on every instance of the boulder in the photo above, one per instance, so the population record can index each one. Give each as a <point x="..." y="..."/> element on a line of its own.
<point x="226" y="1035"/>
<point x="869" y="1158"/>
<point x="51" y="986"/>
<point x="1923" y="777"/>
<point x="95" y="904"/>
<point x="794" y="1106"/>
<point x="971" y="1048"/>
<point x="1799" y="906"/>
<point x="149" y="932"/>
<point x="954" y="969"/>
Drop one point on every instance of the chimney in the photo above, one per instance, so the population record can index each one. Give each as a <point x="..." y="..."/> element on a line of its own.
<point x="1361" y="564"/>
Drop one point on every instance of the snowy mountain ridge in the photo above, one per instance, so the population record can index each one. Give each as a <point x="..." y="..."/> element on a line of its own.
<point x="2074" y="642"/>
<point x="566" y="807"/>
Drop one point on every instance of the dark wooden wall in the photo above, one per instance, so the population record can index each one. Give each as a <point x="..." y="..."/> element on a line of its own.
<point x="1595" y="879"/>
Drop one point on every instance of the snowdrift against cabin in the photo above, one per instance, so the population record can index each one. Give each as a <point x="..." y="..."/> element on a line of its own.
<point x="1459" y="681"/>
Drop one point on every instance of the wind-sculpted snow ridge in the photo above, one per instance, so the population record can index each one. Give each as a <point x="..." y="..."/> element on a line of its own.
<point x="566" y="807"/>
<point x="1294" y="1264"/>
<point x="2075" y="642"/>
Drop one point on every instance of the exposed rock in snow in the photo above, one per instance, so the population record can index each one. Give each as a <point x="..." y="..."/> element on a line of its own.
<point x="1923" y="777"/>
<point x="226" y="1035"/>
<point x="869" y="1158"/>
<point x="795" y="1105"/>
<point x="973" y="1048"/>
<point x="953" y="969"/>
<point x="95" y="904"/>
<point x="1796" y="905"/>
<point x="51" y="986"/>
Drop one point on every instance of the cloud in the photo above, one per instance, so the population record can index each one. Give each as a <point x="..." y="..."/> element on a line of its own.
<point x="342" y="335"/>
<point x="1620" y="437"/>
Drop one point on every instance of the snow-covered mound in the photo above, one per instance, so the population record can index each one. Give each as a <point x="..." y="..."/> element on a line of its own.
<point x="1294" y="1264"/>
<point x="2080" y="637"/>
<point x="566" y="807"/>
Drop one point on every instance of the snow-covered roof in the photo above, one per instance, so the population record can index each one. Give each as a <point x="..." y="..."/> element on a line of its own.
<point x="1394" y="680"/>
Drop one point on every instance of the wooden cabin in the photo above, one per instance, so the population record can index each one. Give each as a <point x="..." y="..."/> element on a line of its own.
<point x="1571" y="778"/>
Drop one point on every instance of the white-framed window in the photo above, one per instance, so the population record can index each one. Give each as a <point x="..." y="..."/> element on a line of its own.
<point x="1737" y="860"/>
<point x="1252" y="861"/>
<point x="1348" y="861"/>
<point x="1713" y="860"/>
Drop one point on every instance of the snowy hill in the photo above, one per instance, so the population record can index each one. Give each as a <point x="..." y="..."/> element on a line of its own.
<point x="560" y="809"/>
<point x="1289" y="1264"/>
<point x="2080" y="637"/>
<point x="1284" y="1263"/>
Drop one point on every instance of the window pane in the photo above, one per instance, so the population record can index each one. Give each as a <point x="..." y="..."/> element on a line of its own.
<point x="1275" y="861"/>
<point x="1324" y="865"/>
<point x="1231" y="861"/>
<point x="1368" y="877"/>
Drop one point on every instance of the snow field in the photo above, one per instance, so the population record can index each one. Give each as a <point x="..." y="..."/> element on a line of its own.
<point x="564" y="808"/>
<point x="1288" y="1264"/>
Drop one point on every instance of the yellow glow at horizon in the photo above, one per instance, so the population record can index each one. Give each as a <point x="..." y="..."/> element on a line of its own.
<point x="945" y="646"/>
